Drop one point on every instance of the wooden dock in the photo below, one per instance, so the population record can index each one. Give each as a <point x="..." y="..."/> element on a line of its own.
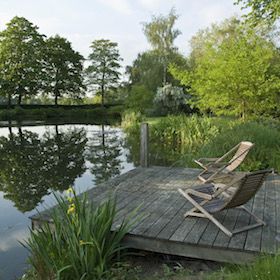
<point x="163" y="229"/>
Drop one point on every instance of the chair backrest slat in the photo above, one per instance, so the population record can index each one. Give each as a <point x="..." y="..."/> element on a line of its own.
<point x="247" y="188"/>
<point x="241" y="153"/>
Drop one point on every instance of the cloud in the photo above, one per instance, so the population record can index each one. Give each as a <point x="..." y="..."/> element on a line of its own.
<point x="10" y="239"/>
<point x="150" y="4"/>
<point x="121" y="6"/>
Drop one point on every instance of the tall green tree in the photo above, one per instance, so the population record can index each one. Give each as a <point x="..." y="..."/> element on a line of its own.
<point x="234" y="75"/>
<point x="21" y="59"/>
<point x="104" y="69"/>
<point x="161" y="34"/>
<point x="64" y="69"/>
<point x="267" y="11"/>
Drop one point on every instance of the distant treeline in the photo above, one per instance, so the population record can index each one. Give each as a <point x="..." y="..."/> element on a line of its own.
<point x="90" y="113"/>
<point x="66" y="107"/>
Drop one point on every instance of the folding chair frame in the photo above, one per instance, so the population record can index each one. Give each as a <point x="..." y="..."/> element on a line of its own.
<point x="199" y="211"/>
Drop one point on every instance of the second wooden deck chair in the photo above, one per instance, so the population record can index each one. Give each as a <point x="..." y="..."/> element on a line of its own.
<point x="207" y="199"/>
<point x="218" y="167"/>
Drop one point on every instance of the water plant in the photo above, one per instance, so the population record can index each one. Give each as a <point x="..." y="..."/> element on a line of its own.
<point x="79" y="243"/>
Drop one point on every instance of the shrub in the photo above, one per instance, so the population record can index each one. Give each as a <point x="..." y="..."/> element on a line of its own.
<point x="79" y="244"/>
<point x="170" y="99"/>
<point x="139" y="98"/>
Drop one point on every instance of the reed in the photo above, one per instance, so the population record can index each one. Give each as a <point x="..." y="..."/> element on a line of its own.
<point x="79" y="244"/>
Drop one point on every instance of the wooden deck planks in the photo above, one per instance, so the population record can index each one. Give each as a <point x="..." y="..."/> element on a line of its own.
<point x="209" y="235"/>
<point x="165" y="219"/>
<point x="230" y="219"/>
<point x="160" y="225"/>
<point x="268" y="243"/>
<point x="253" y="241"/>
<point x="238" y="240"/>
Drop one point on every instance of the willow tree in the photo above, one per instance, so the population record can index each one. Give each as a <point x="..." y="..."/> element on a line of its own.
<point x="21" y="59"/>
<point x="161" y="34"/>
<point x="104" y="70"/>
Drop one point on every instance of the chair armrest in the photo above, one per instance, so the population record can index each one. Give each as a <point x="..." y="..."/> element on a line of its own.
<point x="199" y="194"/>
<point x="207" y="159"/>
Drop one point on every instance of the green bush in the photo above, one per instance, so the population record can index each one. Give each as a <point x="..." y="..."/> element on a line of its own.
<point x="79" y="244"/>
<point x="139" y="98"/>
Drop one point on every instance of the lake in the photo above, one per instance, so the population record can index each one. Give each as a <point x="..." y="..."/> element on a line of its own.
<point x="39" y="160"/>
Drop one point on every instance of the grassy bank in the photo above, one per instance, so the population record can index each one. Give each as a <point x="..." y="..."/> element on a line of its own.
<point x="180" y="139"/>
<point x="61" y="112"/>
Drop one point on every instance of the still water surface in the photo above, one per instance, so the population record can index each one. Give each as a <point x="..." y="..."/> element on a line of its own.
<point x="38" y="160"/>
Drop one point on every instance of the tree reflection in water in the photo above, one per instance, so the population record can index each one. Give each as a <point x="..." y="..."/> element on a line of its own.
<point x="31" y="166"/>
<point x="104" y="151"/>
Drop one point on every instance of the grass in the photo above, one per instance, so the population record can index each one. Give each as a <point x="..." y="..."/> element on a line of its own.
<point x="180" y="139"/>
<point x="79" y="244"/>
<point x="265" y="268"/>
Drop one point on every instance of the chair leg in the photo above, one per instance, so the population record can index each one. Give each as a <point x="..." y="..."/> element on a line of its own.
<point x="205" y="213"/>
<point x="258" y="223"/>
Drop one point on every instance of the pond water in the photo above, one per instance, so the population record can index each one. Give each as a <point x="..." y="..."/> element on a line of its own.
<point x="38" y="160"/>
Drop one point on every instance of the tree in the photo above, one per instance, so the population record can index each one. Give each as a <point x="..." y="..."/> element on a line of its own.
<point x="267" y="11"/>
<point x="234" y="75"/>
<point x="64" y="69"/>
<point x="104" y="67"/>
<point x="148" y="67"/>
<point x="139" y="98"/>
<point x="161" y="35"/>
<point x="21" y="59"/>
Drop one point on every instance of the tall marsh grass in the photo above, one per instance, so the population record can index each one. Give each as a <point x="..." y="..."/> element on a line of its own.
<point x="79" y="244"/>
<point x="180" y="139"/>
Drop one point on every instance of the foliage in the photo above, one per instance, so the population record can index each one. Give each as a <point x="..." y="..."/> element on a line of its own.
<point x="265" y="153"/>
<point x="170" y="99"/>
<point x="64" y="69"/>
<point x="265" y="268"/>
<point x="104" y="151"/>
<point x="79" y="244"/>
<point x="31" y="165"/>
<point x="148" y="67"/>
<point x="161" y="35"/>
<point x="103" y="71"/>
<point x="139" y="98"/>
<point x="180" y="139"/>
<point x="71" y="115"/>
<point x="267" y="11"/>
<point x="130" y="119"/>
<point x="21" y="59"/>
<point x="232" y="75"/>
<point x="183" y="133"/>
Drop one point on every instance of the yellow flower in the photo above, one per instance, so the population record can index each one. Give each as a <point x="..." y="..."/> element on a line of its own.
<point x="70" y="190"/>
<point x="71" y="209"/>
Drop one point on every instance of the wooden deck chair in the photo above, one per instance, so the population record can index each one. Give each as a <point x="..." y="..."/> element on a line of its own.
<point x="207" y="199"/>
<point x="217" y="167"/>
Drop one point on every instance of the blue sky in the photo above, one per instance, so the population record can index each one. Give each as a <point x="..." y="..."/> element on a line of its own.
<point x="83" y="21"/>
